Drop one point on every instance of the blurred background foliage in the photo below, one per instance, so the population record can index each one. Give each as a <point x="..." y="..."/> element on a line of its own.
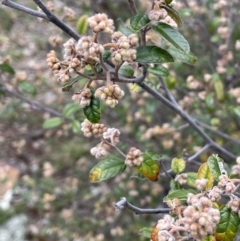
<point x="44" y="172"/>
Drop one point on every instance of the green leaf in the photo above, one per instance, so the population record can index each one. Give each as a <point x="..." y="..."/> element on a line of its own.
<point x="5" y="67"/>
<point x="174" y="185"/>
<point x="172" y="36"/>
<point x="106" y="54"/>
<point x="126" y="70"/>
<point x="107" y="169"/>
<point x="204" y="172"/>
<point x="237" y="111"/>
<point x="228" y="225"/>
<point x="146" y="232"/>
<point x="173" y="13"/>
<point x="149" y="167"/>
<point x="27" y="88"/>
<point x="76" y="127"/>
<point x="127" y="30"/>
<point x="189" y="58"/>
<point x="69" y="85"/>
<point x="82" y="24"/>
<point x="52" y="123"/>
<point x="152" y="54"/>
<point x="159" y="70"/>
<point x="93" y="111"/>
<point x="216" y="166"/>
<point x="180" y="194"/>
<point x="139" y="21"/>
<point x="191" y="179"/>
<point x="178" y="165"/>
<point x="70" y="109"/>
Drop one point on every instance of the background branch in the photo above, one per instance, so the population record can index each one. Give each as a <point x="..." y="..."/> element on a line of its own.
<point x="123" y="203"/>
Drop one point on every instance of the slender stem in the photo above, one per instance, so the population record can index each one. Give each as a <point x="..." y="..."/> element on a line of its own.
<point x="52" y="18"/>
<point x="133" y="7"/>
<point x="21" y="8"/>
<point x="124" y="203"/>
<point x="187" y="118"/>
<point x="115" y="147"/>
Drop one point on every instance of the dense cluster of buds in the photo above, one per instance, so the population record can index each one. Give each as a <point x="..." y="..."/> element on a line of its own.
<point x="201" y="183"/>
<point x="88" y="49"/>
<point x="89" y="129"/>
<point x="124" y="48"/>
<point x="99" y="151"/>
<point x="100" y="22"/>
<point x="198" y="219"/>
<point x="159" y="14"/>
<point x="110" y="94"/>
<point x="226" y="184"/>
<point x="112" y="135"/>
<point x="134" y="157"/>
<point x="181" y="178"/>
<point x="83" y="97"/>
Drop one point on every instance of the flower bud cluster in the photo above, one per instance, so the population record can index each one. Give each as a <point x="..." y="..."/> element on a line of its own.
<point x="112" y="135"/>
<point x="226" y="185"/>
<point x="134" y="157"/>
<point x="199" y="218"/>
<point x="234" y="204"/>
<point x="110" y="94"/>
<point x="83" y="98"/>
<point x="99" y="151"/>
<point x="161" y="15"/>
<point x="215" y="194"/>
<point x="89" y="129"/>
<point x="201" y="183"/>
<point x="63" y="75"/>
<point x="124" y="49"/>
<point x="181" y="178"/>
<point x="88" y="49"/>
<point x="100" y="22"/>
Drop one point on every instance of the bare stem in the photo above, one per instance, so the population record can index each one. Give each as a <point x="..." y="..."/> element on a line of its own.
<point x="132" y="6"/>
<point x="123" y="203"/>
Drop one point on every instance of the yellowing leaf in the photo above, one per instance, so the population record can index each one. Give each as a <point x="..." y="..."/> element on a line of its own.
<point x="149" y="167"/>
<point x="204" y="172"/>
<point x="178" y="165"/>
<point x="107" y="169"/>
<point x="154" y="234"/>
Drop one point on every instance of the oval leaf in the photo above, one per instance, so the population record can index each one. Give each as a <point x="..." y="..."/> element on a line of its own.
<point x="93" y="111"/>
<point x="27" y="88"/>
<point x="52" y="123"/>
<point x="179" y="194"/>
<point x="173" y="13"/>
<point x="189" y="58"/>
<point x="154" y="234"/>
<point x="70" y="109"/>
<point x="5" y="67"/>
<point x="76" y="127"/>
<point x="159" y="70"/>
<point x="69" y="85"/>
<point x="149" y="168"/>
<point x="191" y="179"/>
<point x="139" y="21"/>
<point x="152" y="54"/>
<point x="216" y="166"/>
<point x="228" y="225"/>
<point x="126" y="70"/>
<point x="82" y="24"/>
<point x="178" y="165"/>
<point x="172" y="36"/>
<point x="107" y="169"/>
<point x="204" y="172"/>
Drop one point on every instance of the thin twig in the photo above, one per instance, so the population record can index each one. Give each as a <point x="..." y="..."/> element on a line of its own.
<point x="187" y="118"/>
<point x="123" y="203"/>
<point x="132" y="6"/>
<point x="115" y="147"/>
<point x="24" y="9"/>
